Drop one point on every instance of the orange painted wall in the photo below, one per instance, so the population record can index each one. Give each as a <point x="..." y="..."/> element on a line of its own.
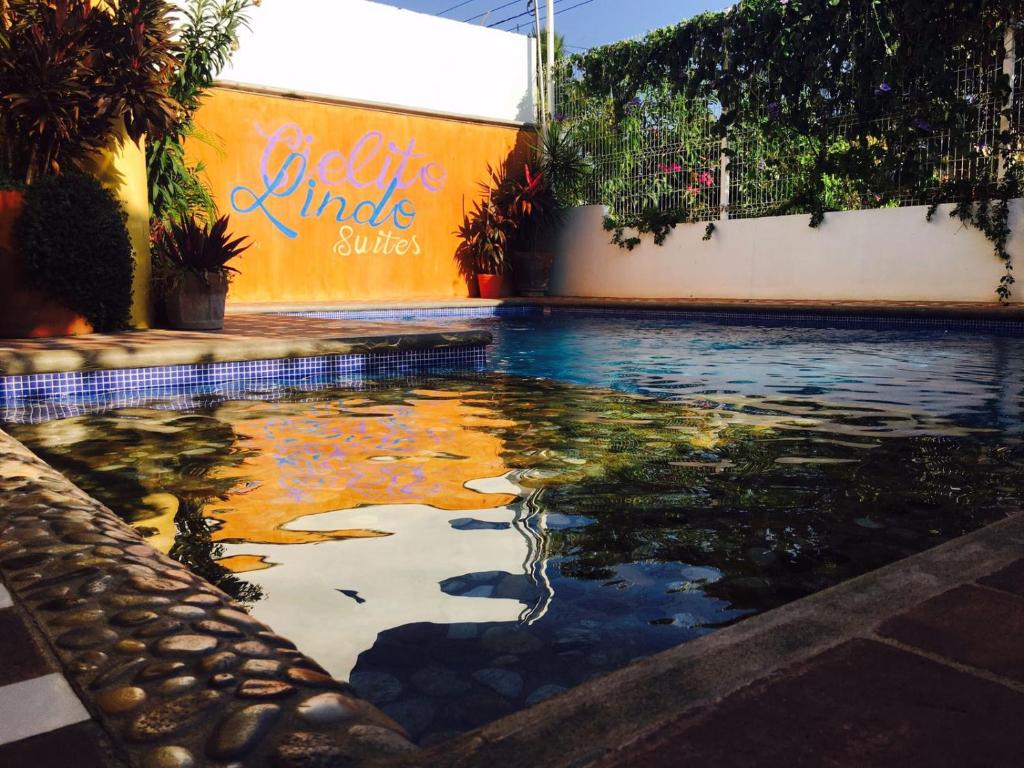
<point x="387" y="246"/>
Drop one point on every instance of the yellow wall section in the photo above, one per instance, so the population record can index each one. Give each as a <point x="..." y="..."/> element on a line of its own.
<point x="322" y="141"/>
<point x="122" y="169"/>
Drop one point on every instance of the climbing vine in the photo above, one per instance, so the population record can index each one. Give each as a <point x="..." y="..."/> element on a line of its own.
<point x="870" y="98"/>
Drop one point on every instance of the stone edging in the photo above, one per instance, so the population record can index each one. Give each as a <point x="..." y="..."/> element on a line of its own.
<point x="177" y="674"/>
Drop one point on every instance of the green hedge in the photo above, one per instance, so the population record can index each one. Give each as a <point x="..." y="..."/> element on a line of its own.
<point x="74" y="245"/>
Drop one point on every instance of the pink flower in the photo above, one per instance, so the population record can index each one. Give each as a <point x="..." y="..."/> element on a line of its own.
<point x="706" y="179"/>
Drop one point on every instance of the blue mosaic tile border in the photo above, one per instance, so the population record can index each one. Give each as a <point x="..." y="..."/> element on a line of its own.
<point x="737" y="316"/>
<point x="804" y="318"/>
<point x="187" y="399"/>
<point x="92" y="385"/>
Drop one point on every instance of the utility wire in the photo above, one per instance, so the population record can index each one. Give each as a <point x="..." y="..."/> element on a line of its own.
<point x="527" y="13"/>
<point x="455" y="7"/>
<point x="488" y="13"/>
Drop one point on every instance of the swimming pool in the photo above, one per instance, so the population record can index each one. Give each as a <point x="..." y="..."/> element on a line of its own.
<point x="612" y="486"/>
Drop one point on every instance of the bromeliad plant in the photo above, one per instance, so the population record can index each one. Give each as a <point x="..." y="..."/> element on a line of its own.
<point x="192" y="271"/>
<point x="192" y="246"/>
<point x="71" y="71"/>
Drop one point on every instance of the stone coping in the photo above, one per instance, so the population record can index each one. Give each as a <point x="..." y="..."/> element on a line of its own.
<point x="244" y="338"/>
<point x="613" y="719"/>
<point x="176" y="674"/>
<point x="909" y="309"/>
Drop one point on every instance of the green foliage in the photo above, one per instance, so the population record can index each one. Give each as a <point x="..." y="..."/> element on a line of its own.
<point x="193" y="246"/>
<point x="207" y="35"/>
<point x="846" y="98"/>
<point x="990" y="215"/>
<point x="513" y="212"/>
<point x="564" y="162"/>
<point x="71" y="70"/>
<point x="72" y="238"/>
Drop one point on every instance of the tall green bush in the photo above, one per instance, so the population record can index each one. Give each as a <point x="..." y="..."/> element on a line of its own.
<point x="73" y="242"/>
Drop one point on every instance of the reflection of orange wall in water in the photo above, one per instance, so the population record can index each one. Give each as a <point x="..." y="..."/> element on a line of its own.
<point x="423" y="452"/>
<point x="297" y="148"/>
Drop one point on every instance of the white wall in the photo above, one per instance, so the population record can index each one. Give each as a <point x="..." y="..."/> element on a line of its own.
<point x="892" y="254"/>
<point x="361" y="51"/>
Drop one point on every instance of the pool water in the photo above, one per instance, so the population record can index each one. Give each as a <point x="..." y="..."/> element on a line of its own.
<point x="462" y="547"/>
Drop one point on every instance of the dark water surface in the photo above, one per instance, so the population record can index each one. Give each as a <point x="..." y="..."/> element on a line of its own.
<point x="463" y="547"/>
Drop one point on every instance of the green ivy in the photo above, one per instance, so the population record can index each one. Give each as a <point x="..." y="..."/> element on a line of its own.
<point x="792" y="71"/>
<point x="74" y="245"/>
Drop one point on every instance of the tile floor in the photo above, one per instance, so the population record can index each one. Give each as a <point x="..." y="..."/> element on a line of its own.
<point x="40" y="715"/>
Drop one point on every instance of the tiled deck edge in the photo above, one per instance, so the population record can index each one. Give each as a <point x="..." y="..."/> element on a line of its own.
<point x="163" y="660"/>
<point x="231" y="350"/>
<point x="606" y="716"/>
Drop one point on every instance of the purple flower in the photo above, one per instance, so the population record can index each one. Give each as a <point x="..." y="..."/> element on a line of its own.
<point x="884" y="88"/>
<point x="774" y="111"/>
<point x="634" y="104"/>
<point x="923" y="125"/>
<point x="559" y="117"/>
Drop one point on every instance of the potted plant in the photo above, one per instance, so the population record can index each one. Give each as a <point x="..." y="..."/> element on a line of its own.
<point x="192" y="273"/>
<point x="553" y="184"/>
<point x="485" y="237"/>
<point x="530" y="205"/>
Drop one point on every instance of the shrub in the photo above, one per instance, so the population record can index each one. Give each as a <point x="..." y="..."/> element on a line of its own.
<point x="74" y="245"/>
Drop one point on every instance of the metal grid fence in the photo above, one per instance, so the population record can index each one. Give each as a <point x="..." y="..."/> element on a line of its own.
<point x="665" y="154"/>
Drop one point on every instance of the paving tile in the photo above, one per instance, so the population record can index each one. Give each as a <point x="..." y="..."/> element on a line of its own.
<point x="5" y="598"/>
<point x="51" y="750"/>
<point x="969" y="625"/>
<point x="1010" y="579"/>
<point x="20" y="657"/>
<point x="861" y="704"/>
<point x="38" y="706"/>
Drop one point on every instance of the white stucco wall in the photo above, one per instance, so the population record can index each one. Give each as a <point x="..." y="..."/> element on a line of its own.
<point x="893" y="254"/>
<point x="361" y="51"/>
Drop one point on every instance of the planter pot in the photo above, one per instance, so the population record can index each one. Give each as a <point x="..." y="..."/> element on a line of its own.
<point x="491" y="286"/>
<point x="196" y="302"/>
<point x="27" y="312"/>
<point x="532" y="270"/>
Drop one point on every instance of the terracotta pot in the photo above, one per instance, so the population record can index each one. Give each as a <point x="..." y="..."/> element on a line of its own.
<point x="27" y="312"/>
<point x="532" y="270"/>
<point x="196" y="302"/>
<point x="491" y="286"/>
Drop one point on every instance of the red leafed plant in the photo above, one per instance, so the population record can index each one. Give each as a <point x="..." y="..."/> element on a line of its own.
<point x="70" y="70"/>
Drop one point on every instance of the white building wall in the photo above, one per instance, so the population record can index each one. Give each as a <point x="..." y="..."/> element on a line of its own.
<point x="355" y="50"/>
<point x="890" y="255"/>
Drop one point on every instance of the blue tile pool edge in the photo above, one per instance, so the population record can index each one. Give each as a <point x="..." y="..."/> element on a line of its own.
<point x="71" y="386"/>
<point x="740" y="315"/>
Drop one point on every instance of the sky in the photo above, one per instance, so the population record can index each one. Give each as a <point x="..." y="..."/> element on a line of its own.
<point x="583" y="23"/>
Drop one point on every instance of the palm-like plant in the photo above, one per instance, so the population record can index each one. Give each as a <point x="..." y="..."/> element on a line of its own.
<point x="484" y="236"/>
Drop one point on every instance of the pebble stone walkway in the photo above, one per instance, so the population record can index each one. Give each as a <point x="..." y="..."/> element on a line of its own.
<point x="164" y="663"/>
